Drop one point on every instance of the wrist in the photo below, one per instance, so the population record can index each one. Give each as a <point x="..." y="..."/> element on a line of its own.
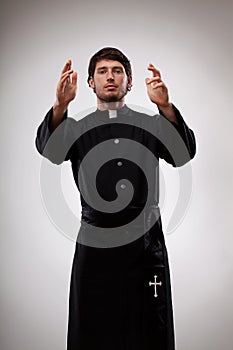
<point x="60" y="107"/>
<point x="165" y="106"/>
<point x="168" y="112"/>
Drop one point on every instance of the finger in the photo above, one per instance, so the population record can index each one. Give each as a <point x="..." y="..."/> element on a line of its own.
<point x="150" y="80"/>
<point x="65" y="78"/>
<point x="154" y="70"/>
<point x="158" y="85"/>
<point x="74" y="78"/>
<point x="66" y="67"/>
<point x="70" y="71"/>
<point x="66" y="73"/>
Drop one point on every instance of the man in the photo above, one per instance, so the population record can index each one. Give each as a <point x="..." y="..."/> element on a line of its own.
<point x="120" y="296"/>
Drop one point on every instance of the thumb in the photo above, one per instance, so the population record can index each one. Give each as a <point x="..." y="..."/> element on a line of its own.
<point x="147" y="80"/>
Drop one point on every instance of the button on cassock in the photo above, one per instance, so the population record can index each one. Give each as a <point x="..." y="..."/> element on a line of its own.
<point x="119" y="163"/>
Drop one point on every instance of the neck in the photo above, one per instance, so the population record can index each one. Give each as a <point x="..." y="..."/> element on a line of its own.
<point x="103" y="105"/>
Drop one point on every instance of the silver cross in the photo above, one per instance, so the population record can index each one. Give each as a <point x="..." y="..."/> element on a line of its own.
<point x="155" y="284"/>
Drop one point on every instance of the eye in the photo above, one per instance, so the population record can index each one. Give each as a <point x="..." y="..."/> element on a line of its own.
<point x="102" y="71"/>
<point x="118" y="70"/>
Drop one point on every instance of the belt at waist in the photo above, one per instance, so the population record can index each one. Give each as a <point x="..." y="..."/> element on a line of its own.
<point x="127" y="226"/>
<point x="123" y="217"/>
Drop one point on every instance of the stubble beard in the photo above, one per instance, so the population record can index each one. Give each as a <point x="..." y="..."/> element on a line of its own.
<point x="111" y="97"/>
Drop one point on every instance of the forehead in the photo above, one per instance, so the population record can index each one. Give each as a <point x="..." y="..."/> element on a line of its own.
<point x="108" y="64"/>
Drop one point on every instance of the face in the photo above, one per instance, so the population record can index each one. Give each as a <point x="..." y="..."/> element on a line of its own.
<point x="110" y="81"/>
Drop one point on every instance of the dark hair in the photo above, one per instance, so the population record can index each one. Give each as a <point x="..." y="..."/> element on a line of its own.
<point x="109" y="53"/>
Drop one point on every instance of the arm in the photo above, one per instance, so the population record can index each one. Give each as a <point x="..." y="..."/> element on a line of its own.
<point x="178" y="140"/>
<point x="66" y="91"/>
<point x="179" y="145"/>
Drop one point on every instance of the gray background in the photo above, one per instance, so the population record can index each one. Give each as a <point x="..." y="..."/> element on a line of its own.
<point x="191" y="43"/>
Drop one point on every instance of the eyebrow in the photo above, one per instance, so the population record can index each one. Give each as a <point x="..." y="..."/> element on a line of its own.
<point x="104" y="67"/>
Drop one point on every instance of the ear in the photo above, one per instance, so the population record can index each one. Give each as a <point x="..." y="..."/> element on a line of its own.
<point x="129" y="85"/>
<point x="91" y="83"/>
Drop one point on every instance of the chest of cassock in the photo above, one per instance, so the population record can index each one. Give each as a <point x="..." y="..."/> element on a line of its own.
<point x="115" y="160"/>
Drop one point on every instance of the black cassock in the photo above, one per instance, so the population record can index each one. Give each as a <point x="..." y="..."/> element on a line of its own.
<point x="112" y="304"/>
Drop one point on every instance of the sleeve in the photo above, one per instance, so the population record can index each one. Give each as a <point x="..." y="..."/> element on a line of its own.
<point x="55" y="145"/>
<point x="177" y="144"/>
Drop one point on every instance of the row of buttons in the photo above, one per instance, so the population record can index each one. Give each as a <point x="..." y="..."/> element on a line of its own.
<point x="122" y="186"/>
<point x="117" y="141"/>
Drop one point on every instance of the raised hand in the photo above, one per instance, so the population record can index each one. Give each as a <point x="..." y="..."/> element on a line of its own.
<point x="67" y="86"/>
<point x="156" y="89"/>
<point x="158" y="93"/>
<point x="66" y="92"/>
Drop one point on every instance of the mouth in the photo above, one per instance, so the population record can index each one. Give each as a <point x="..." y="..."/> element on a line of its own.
<point x="110" y="86"/>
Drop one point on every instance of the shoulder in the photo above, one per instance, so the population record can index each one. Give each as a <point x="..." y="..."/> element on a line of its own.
<point x="143" y="118"/>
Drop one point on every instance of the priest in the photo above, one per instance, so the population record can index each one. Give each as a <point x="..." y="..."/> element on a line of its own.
<point x="120" y="292"/>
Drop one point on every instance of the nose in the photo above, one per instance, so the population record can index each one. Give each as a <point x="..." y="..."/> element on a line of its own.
<point x="110" y="76"/>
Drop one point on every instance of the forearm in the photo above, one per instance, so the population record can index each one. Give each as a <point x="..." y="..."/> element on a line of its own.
<point x="58" y="114"/>
<point x="169" y="112"/>
<point x="55" y="145"/>
<point x="173" y="142"/>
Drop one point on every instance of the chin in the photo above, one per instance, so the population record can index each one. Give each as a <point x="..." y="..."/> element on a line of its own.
<point x="111" y="98"/>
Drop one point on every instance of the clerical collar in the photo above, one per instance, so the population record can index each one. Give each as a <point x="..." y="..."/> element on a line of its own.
<point x="112" y="114"/>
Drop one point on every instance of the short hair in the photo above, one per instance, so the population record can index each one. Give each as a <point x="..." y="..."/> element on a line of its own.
<point x="109" y="53"/>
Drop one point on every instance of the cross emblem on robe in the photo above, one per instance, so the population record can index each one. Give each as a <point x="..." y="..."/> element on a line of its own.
<point x="155" y="284"/>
